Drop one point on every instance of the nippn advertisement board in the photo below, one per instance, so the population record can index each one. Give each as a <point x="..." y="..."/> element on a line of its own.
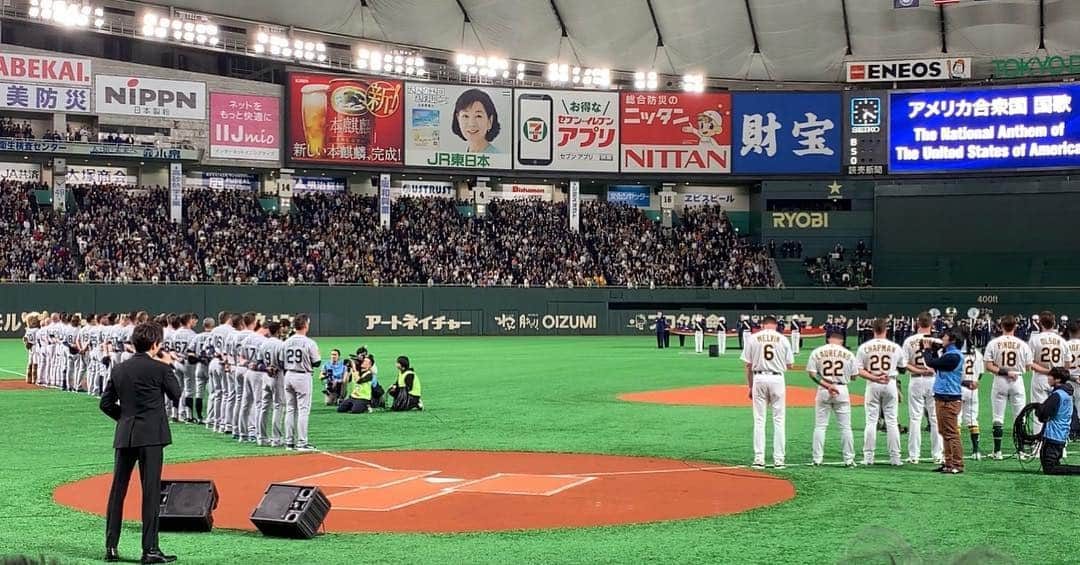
<point x="566" y="130"/>
<point x="676" y="132"/>
<point x="458" y="126"/>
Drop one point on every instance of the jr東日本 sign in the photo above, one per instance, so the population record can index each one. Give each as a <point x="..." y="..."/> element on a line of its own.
<point x="64" y="71"/>
<point x="150" y="97"/>
<point x="347" y="120"/>
<point x="676" y="132"/>
<point x="44" y="98"/>
<point x="787" y="133"/>
<point x="909" y="70"/>
<point x="984" y="129"/>
<point x="458" y="126"/>
<point x="567" y="130"/>
<point x="243" y="126"/>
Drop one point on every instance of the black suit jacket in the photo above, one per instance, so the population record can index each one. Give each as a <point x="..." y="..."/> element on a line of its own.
<point x="135" y="398"/>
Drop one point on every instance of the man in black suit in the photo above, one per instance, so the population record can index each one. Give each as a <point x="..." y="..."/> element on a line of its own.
<point x="134" y="397"/>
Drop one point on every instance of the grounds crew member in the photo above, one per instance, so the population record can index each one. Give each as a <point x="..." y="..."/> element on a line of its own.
<point x="1056" y="413"/>
<point x="406" y="391"/>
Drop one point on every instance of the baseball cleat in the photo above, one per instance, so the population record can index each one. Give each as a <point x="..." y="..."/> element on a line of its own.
<point x="779" y="466"/>
<point x="975" y="456"/>
<point x="896" y="463"/>
<point x="912" y="460"/>
<point x="758" y="465"/>
<point x="307" y="448"/>
<point x="850" y="464"/>
<point x="939" y="461"/>
<point x="997" y="456"/>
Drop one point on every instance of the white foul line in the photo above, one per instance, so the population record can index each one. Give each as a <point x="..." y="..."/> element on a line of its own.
<point x="352" y="460"/>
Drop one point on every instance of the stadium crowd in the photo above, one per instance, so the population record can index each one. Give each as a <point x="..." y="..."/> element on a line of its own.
<point x="841" y="268"/>
<point x="117" y="234"/>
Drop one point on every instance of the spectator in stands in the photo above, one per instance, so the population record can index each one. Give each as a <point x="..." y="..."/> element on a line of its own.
<point x="831" y="268"/>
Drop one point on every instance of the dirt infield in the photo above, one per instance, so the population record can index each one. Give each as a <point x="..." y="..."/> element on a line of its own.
<point x="721" y="395"/>
<point x="17" y="385"/>
<point x="465" y="491"/>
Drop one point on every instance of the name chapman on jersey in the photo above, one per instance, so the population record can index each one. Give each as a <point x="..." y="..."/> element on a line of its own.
<point x="879" y="347"/>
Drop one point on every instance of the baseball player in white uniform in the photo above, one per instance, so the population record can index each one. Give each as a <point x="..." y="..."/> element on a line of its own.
<point x="233" y="389"/>
<point x="1074" y="358"/>
<point x="796" y="335"/>
<point x="239" y="374"/>
<point x="41" y="339"/>
<point x="921" y="394"/>
<point x="1050" y="350"/>
<point x="969" y="390"/>
<point x="201" y="347"/>
<point x="767" y="356"/>
<point x="1007" y="358"/>
<point x="832" y="367"/>
<point x="880" y="361"/>
<point x="32" y="321"/>
<point x="301" y="356"/>
<point x="182" y="343"/>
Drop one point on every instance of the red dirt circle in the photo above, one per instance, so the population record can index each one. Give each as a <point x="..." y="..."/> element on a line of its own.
<point x="466" y="491"/>
<point x="17" y="385"/>
<point x="731" y="396"/>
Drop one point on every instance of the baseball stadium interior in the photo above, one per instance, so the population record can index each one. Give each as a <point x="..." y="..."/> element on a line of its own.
<point x="738" y="281"/>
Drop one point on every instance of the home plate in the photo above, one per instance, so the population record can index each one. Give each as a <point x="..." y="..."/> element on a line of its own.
<point x="443" y="480"/>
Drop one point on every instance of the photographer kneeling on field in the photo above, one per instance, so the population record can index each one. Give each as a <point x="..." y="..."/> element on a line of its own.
<point x="1056" y="412"/>
<point x="333" y="374"/>
<point x="359" y="400"/>
<point x="406" y="391"/>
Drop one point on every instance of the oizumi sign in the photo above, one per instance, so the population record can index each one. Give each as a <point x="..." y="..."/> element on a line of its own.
<point x="1050" y="65"/>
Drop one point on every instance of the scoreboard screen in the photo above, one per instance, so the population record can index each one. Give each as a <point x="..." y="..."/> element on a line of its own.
<point x="961" y="130"/>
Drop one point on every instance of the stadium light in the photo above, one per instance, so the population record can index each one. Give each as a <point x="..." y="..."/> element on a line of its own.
<point x="693" y="82"/>
<point x="521" y="71"/>
<point x="482" y="65"/>
<point x="645" y="80"/>
<point x="278" y="45"/>
<point x="396" y="62"/>
<point x="561" y="73"/>
<point x="68" y="13"/>
<point x="187" y="28"/>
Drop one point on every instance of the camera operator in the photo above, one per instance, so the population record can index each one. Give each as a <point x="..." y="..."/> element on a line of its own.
<point x="359" y="374"/>
<point x="945" y="358"/>
<point x="1056" y="413"/>
<point x="406" y="391"/>
<point x="333" y="375"/>
<point x="378" y="395"/>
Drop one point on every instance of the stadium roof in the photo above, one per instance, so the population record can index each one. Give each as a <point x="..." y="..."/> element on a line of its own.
<point x="796" y="40"/>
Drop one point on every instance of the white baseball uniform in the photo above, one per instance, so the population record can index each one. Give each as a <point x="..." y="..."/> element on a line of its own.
<point x="973" y="370"/>
<point x="1012" y="354"/>
<point x="1049" y="350"/>
<point x="834" y="364"/>
<point x="721" y="338"/>
<point x="795" y="338"/>
<point x="920" y="400"/>
<point x="882" y="357"/>
<point x="769" y="355"/>
<point x="1074" y="364"/>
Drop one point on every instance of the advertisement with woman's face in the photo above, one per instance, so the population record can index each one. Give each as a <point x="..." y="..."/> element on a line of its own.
<point x="458" y="126"/>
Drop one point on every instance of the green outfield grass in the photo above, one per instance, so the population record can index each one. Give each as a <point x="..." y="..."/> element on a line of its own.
<point x="553" y="394"/>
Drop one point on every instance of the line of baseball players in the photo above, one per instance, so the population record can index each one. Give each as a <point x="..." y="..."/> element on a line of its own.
<point x="253" y="380"/>
<point x="832" y="366"/>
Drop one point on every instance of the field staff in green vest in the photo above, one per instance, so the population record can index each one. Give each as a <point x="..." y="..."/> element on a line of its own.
<point x="359" y="399"/>
<point x="406" y="391"/>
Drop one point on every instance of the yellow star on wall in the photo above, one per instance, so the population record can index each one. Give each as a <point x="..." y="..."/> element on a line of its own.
<point x="834" y="188"/>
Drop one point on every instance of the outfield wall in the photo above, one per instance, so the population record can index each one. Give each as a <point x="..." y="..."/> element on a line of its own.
<point x="354" y="311"/>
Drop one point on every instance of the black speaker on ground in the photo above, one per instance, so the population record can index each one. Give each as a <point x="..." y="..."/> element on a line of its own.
<point x="714" y="351"/>
<point x="187" y="506"/>
<point x="291" y="511"/>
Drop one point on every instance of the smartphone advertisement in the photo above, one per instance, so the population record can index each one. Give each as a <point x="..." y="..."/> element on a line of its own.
<point x="566" y="130"/>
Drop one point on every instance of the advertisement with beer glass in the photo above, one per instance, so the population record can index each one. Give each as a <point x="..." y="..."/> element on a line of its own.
<point x="346" y="120"/>
<point x="458" y="126"/>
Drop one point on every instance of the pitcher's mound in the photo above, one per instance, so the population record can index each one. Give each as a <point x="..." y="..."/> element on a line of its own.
<point x="721" y="395"/>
